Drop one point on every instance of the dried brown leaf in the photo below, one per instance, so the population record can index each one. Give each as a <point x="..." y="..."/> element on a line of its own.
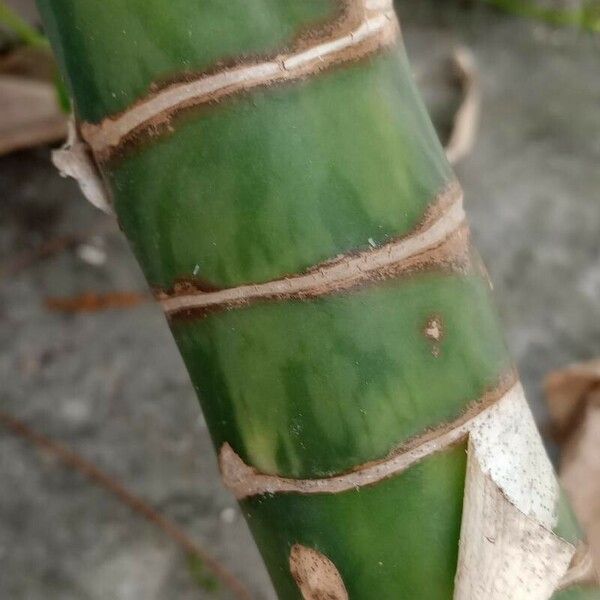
<point x="29" y="114"/>
<point x="573" y="396"/>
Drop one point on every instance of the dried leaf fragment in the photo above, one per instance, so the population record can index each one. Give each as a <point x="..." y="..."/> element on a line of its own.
<point x="573" y="396"/>
<point x="74" y="160"/>
<point x="29" y="114"/>
<point x="504" y="554"/>
<point x="466" y="120"/>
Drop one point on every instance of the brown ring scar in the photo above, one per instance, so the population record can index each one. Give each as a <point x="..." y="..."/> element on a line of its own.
<point x="245" y="481"/>
<point x="376" y="27"/>
<point x="442" y="238"/>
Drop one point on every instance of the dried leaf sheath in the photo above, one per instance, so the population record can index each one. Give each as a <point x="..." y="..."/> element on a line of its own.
<point x="276" y="174"/>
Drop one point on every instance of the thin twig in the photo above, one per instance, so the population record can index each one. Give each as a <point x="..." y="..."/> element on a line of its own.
<point x="135" y="503"/>
<point x="466" y="120"/>
<point x="94" y="302"/>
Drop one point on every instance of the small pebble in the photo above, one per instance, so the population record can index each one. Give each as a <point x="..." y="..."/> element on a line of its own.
<point x="228" y="515"/>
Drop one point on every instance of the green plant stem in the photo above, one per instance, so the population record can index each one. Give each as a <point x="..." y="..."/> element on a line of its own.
<point x="314" y="176"/>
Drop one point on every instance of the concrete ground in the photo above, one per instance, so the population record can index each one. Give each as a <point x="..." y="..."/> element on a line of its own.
<point x="112" y="386"/>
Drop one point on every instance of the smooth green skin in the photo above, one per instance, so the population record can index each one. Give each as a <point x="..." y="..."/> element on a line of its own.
<point x="112" y="51"/>
<point x="567" y="526"/>
<point x="578" y="593"/>
<point x="281" y="179"/>
<point x="396" y="539"/>
<point x="312" y="388"/>
<point x="270" y="183"/>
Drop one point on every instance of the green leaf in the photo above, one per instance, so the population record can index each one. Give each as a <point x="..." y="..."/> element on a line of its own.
<point x="17" y="25"/>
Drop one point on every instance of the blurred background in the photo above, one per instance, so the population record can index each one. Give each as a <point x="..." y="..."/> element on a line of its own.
<point x="86" y="358"/>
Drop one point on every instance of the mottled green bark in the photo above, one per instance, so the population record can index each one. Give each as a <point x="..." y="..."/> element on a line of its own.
<point x="387" y="540"/>
<point x="307" y="389"/>
<point x="283" y="178"/>
<point x="268" y="183"/>
<point x="113" y="51"/>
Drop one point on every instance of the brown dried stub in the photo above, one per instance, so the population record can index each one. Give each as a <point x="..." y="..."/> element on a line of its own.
<point x="316" y="575"/>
